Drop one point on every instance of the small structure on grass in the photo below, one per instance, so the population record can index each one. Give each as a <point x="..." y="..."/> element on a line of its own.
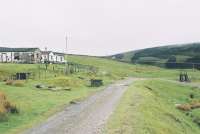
<point x="183" y="77"/>
<point x="21" y="76"/>
<point x="96" y="82"/>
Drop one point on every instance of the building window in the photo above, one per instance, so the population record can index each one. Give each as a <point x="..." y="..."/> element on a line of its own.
<point x="16" y="56"/>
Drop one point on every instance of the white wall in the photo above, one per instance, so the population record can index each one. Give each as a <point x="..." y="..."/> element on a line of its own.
<point x="44" y="57"/>
<point x="51" y="57"/>
<point x="6" y="56"/>
<point x="9" y="56"/>
<point x="60" y="59"/>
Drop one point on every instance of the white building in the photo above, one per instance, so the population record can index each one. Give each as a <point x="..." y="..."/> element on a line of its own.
<point x="53" y="57"/>
<point x="59" y="57"/>
<point x="29" y="55"/>
<point x="22" y="55"/>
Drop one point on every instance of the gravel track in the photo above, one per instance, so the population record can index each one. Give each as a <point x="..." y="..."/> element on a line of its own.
<point x="86" y="117"/>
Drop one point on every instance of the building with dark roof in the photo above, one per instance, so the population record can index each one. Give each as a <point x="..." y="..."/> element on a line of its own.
<point x="7" y="49"/>
<point x="30" y="55"/>
<point x="20" y="55"/>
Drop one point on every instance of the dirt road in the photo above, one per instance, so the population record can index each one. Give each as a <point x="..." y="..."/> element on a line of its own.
<point x="87" y="117"/>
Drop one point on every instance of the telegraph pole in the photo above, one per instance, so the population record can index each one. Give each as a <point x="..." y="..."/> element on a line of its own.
<point x="66" y="47"/>
<point x="66" y="52"/>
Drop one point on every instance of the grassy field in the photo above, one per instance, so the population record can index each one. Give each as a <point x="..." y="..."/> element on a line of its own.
<point x="37" y="70"/>
<point x="149" y="107"/>
<point x="120" y="69"/>
<point x="36" y="105"/>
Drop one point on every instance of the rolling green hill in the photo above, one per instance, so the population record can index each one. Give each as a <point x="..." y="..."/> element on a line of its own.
<point x="183" y="53"/>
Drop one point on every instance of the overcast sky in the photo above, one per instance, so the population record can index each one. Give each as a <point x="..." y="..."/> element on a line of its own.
<point x="98" y="27"/>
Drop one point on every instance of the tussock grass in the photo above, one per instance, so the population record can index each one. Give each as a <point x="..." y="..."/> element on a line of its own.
<point x="17" y="83"/>
<point x="65" y="82"/>
<point x="184" y="107"/>
<point x="2" y="107"/>
<point x="9" y="82"/>
<point x="189" y="106"/>
<point x="6" y="107"/>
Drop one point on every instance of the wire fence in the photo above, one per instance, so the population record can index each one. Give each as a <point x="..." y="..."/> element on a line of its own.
<point x="46" y="71"/>
<point x="64" y="70"/>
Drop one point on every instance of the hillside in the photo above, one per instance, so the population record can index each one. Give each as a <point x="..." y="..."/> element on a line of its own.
<point x="58" y="90"/>
<point x="182" y="53"/>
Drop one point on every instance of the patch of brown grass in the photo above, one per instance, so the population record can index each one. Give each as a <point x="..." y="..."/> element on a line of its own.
<point x="189" y="106"/>
<point x="17" y="83"/>
<point x="2" y="106"/>
<point x="184" y="107"/>
<point x="6" y="107"/>
<point x="9" y="82"/>
<point x="2" y="96"/>
<point x="65" y="82"/>
<point x="195" y="104"/>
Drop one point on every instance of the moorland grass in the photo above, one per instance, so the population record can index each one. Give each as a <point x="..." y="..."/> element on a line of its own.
<point x="150" y="107"/>
<point x="120" y="69"/>
<point x="36" y="105"/>
<point x="6" y="107"/>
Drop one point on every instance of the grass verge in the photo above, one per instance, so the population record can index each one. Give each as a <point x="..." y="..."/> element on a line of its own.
<point x="150" y="107"/>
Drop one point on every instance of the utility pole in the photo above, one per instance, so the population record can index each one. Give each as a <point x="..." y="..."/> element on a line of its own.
<point x="66" y="47"/>
<point x="66" y="52"/>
